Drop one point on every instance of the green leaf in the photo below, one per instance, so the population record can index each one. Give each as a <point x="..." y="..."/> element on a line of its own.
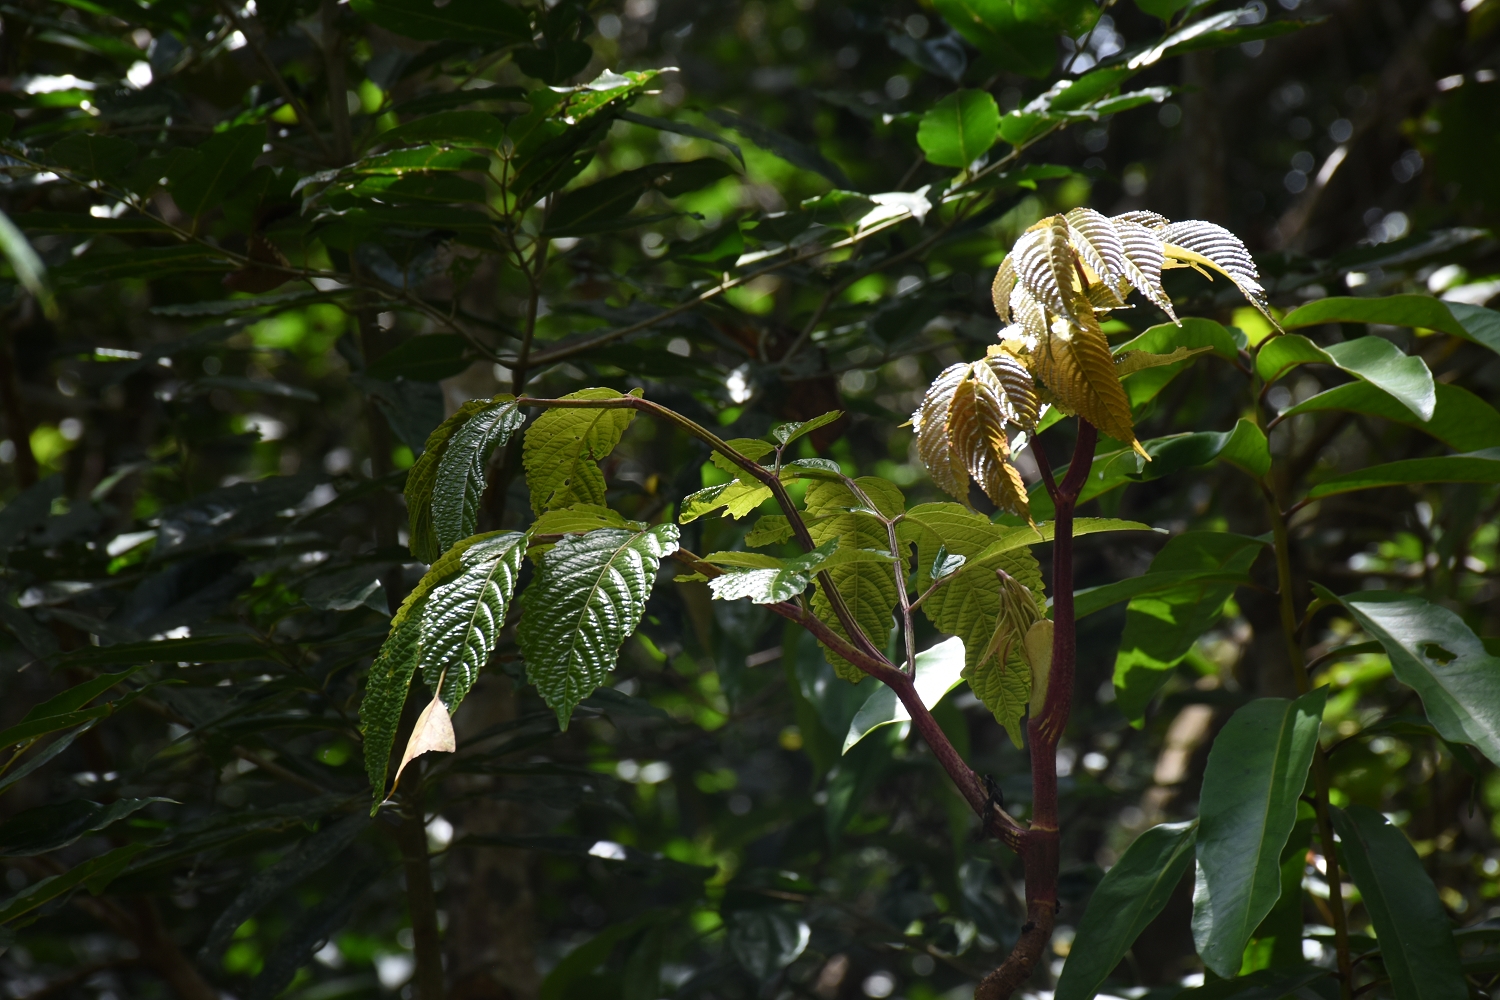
<point x="1460" y="419"/>
<point x="769" y="529"/>
<point x="1132" y="893"/>
<point x="65" y="710"/>
<point x="97" y="157"/>
<point x="1247" y="449"/>
<point x="798" y="154"/>
<point x="588" y="596"/>
<point x="204" y="176"/>
<point x="1373" y="359"/>
<point x="1475" y="323"/>
<point x="421" y="480"/>
<point x="56" y="825"/>
<point x="1163" y="9"/>
<point x="1194" y="332"/>
<point x="77" y="222"/>
<point x="150" y="263"/>
<point x="939" y="670"/>
<point x="752" y="448"/>
<point x="1160" y="629"/>
<point x="684" y="128"/>
<point x="1256" y="772"/>
<point x="959" y="129"/>
<point x="968" y="604"/>
<point x="738" y="498"/>
<point x="1416" y="937"/>
<point x="580" y="518"/>
<point x="491" y="22"/>
<point x="420" y="159"/>
<point x="785" y="434"/>
<point x="96" y="872"/>
<point x="600" y="206"/>
<point x="766" y="580"/>
<point x="1435" y="654"/>
<point x="459" y="128"/>
<point x="460" y="473"/>
<point x="998" y="29"/>
<point x="869" y="589"/>
<point x="449" y="621"/>
<point x="1481" y="466"/>
<point x="563" y="446"/>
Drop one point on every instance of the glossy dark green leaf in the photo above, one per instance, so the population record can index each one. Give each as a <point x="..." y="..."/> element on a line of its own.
<point x="205" y="175"/>
<point x="600" y="205"/>
<point x="939" y="670"/>
<point x="1248" y="450"/>
<point x="1436" y="654"/>
<point x="444" y="188"/>
<point x="151" y="263"/>
<point x="1132" y="893"/>
<point x="419" y="159"/>
<point x="1460" y="420"/>
<point x="477" y="21"/>
<point x="1475" y="323"/>
<point x="1481" y="466"/>
<point x="1411" y="924"/>
<point x="994" y="27"/>
<point x="959" y="129"/>
<point x="430" y="358"/>
<point x="459" y="128"/>
<point x="684" y="128"/>
<point x="96" y="873"/>
<point x="1373" y="359"/>
<point x="56" y="825"/>
<point x="1161" y="628"/>
<point x="461" y="479"/>
<point x="1256" y="771"/>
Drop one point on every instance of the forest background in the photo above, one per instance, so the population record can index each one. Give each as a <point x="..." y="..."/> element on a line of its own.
<point x="233" y="315"/>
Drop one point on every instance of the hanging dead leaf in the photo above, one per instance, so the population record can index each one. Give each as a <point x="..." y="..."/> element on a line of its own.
<point x="433" y="733"/>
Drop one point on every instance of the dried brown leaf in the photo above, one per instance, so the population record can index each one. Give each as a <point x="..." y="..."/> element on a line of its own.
<point x="433" y="733"/>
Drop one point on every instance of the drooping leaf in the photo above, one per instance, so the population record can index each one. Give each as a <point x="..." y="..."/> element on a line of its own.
<point x="683" y="128"/>
<point x="868" y="588"/>
<point x="961" y="428"/>
<point x="563" y="447"/>
<point x="56" y="825"/>
<point x="1160" y="629"/>
<point x="798" y="154"/>
<point x="588" y="596"/>
<point x="1197" y="242"/>
<point x="1132" y="893"/>
<point x="97" y="157"/>
<point x="1256" y="771"/>
<point x="602" y="206"/>
<point x="1436" y="654"/>
<point x="432" y="733"/>
<point x="1460" y="419"/>
<point x="959" y="129"/>
<point x="580" y="518"/>
<point x="1481" y="466"/>
<point x="785" y="434"/>
<point x="1411" y="924"/>
<point x="939" y="670"/>
<point x="460" y="482"/>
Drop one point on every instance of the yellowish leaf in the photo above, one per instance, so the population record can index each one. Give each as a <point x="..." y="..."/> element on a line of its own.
<point x="433" y="733"/>
<point x="1076" y="365"/>
<point x="1037" y="648"/>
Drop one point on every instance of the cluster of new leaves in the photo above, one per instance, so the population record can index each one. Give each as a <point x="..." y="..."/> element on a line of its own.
<point x="1060" y="277"/>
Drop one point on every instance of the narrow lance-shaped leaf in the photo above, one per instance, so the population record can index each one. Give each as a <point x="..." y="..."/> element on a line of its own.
<point x="1416" y="937"/>
<point x="588" y="596"/>
<point x="1132" y="893"/>
<point x="1256" y="772"/>
<point x="1435" y="654"/>
<point x="1474" y="467"/>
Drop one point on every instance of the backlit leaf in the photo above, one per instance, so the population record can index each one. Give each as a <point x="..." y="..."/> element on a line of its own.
<point x="868" y="588"/>
<point x="959" y="129"/>
<point x="939" y="670"/>
<point x="563" y="447"/>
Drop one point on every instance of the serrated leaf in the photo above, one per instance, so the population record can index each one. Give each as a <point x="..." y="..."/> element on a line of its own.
<point x="770" y="529"/>
<point x="421" y="480"/>
<point x="588" y="596"/>
<point x="1098" y="243"/>
<point x="1197" y="242"/>
<point x="581" y="518"/>
<point x="752" y="448"/>
<point x="1074" y="362"/>
<point x="1044" y="267"/>
<point x="961" y="428"/>
<point x="563" y="446"/>
<point x="785" y="434"/>
<point x="738" y="498"/>
<point x="449" y="620"/>
<point x="1146" y="256"/>
<point x="1130" y="362"/>
<point x="869" y="589"/>
<point x="460" y="473"/>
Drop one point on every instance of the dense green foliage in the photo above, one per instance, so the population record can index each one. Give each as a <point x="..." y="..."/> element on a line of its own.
<point x="628" y="307"/>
